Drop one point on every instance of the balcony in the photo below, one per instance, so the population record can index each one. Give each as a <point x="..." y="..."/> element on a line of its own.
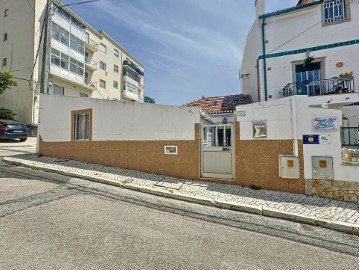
<point x="90" y="65"/>
<point x="319" y="87"/>
<point x="91" y="45"/>
<point x="133" y="67"/>
<point x="90" y="83"/>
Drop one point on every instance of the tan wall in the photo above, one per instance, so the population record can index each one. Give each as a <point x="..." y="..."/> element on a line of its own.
<point x="145" y="156"/>
<point x="256" y="161"/>
<point x="257" y="164"/>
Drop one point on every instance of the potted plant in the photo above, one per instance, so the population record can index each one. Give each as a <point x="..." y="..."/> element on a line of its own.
<point x="347" y="76"/>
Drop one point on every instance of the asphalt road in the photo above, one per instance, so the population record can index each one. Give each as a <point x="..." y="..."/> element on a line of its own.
<point x="49" y="221"/>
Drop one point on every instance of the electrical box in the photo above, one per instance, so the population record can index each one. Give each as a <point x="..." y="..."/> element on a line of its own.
<point x="323" y="168"/>
<point x="289" y="167"/>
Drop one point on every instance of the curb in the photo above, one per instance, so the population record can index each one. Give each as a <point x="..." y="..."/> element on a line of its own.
<point x="252" y="209"/>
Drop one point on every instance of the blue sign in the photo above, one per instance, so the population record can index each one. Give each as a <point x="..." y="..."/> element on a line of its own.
<point x="311" y="139"/>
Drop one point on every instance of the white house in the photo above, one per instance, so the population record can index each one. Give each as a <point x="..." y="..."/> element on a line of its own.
<point x="302" y="65"/>
<point x="302" y="50"/>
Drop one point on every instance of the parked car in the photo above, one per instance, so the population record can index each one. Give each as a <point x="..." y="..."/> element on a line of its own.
<point x="12" y="130"/>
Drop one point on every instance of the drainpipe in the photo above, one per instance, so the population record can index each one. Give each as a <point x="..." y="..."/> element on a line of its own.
<point x="258" y="83"/>
<point x="293" y="108"/>
<point x="264" y="61"/>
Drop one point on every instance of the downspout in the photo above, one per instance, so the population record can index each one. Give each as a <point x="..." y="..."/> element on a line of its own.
<point x="258" y="83"/>
<point x="264" y="60"/>
<point x="293" y="108"/>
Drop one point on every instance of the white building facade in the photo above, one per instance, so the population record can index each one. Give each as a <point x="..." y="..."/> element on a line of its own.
<point x="301" y="65"/>
<point x="302" y="50"/>
<point x="80" y="61"/>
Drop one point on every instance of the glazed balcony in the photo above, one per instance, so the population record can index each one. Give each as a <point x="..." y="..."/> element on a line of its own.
<point x="335" y="85"/>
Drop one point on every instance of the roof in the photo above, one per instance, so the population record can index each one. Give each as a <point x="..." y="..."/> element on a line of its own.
<point x="301" y="5"/>
<point x="221" y="104"/>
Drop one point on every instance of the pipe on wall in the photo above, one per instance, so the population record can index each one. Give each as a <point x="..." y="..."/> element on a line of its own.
<point x="264" y="61"/>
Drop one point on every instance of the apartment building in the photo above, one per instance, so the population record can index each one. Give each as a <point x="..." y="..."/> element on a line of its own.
<point x="79" y="60"/>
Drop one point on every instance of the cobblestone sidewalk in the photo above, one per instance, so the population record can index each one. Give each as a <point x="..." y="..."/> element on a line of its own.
<point x="337" y="215"/>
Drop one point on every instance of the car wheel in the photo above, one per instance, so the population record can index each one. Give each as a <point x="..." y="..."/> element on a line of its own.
<point x="23" y="140"/>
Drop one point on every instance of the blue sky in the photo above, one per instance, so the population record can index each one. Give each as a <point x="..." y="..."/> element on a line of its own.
<point x="190" y="48"/>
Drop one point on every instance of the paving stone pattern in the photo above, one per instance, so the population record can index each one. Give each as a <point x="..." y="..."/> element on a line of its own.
<point x="297" y="204"/>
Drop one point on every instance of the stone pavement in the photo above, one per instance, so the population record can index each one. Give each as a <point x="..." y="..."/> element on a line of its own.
<point x="332" y="214"/>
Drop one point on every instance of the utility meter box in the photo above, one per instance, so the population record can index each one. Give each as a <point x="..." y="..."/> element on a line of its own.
<point x="289" y="167"/>
<point x="323" y="168"/>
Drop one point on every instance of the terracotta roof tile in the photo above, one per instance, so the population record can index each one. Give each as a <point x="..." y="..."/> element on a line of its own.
<point x="221" y="104"/>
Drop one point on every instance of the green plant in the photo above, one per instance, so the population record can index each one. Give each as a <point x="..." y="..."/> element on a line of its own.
<point x="6" y="114"/>
<point x="6" y="81"/>
<point x="307" y="61"/>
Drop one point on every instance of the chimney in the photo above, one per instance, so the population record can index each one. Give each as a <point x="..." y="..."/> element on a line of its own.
<point x="260" y="7"/>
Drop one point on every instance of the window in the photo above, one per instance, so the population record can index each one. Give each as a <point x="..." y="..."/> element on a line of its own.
<point x="116" y="53"/>
<point x="81" y="123"/>
<point x="102" y="66"/>
<point x="102" y="83"/>
<point x="131" y="88"/>
<point x="69" y="18"/>
<point x="58" y="90"/>
<point x="76" y="44"/>
<point x="130" y="73"/>
<point x="335" y="10"/>
<point x="60" y="34"/>
<point x="115" y="84"/>
<point x="5" y="37"/>
<point x="103" y="48"/>
<point x="65" y="62"/>
<point x="4" y="62"/>
<point x="6" y="12"/>
<point x="115" y="68"/>
<point x="83" y="95"/>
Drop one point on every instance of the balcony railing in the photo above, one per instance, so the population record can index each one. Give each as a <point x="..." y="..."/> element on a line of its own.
<point x="92" y="65"/>
<point x="90" y="83"/>
<point x="319" y="87"/>
<point x="91" y="45"/>
<point x="350" y="136"/>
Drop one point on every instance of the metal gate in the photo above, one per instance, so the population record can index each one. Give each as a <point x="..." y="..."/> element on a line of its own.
<point x="217" y="151"/>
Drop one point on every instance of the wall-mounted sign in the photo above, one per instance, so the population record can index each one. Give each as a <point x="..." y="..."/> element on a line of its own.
<point x="316" y="139"/>
<point x="241" y="113"/>
<point x="325" y="124"/>
<point x="324" y="139"/>
<point x="259" y="129"/>
<point x="171" y="150"/>
<point x="310" y="139"/>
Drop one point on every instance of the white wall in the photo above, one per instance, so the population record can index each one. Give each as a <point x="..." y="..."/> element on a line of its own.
<point x="117" y="120"/>
<point x="248" y="69"/>
<point x="277" y="113"/>
<point x="291" y="118"/>
<point x="352" y="112"/>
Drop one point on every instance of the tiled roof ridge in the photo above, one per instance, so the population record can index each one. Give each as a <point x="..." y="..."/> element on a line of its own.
<point x="220" y="104"/>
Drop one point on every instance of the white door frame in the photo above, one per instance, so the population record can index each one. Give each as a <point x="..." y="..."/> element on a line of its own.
<point x="217" y="153"/>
